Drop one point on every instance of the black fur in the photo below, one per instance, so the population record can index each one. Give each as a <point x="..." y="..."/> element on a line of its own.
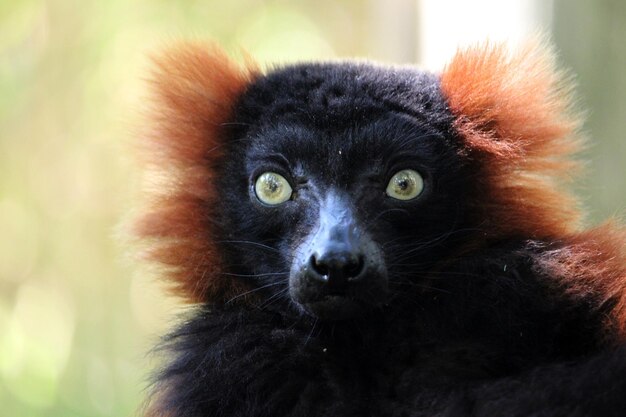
<point x="466" y="330"/>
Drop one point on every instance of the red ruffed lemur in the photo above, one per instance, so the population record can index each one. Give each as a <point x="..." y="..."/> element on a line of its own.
<point x="368" y="240"/>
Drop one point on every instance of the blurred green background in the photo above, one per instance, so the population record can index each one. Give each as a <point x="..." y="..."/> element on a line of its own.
<point x="77" y="316"/>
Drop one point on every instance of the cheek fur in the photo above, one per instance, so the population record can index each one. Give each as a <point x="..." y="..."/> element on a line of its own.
<point x="194" y="88"/>
<point x="520" y="134"/>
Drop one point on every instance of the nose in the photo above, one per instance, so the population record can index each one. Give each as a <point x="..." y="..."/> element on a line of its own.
<point x="338" y="271"/>
<point x="338" y="268"/>
<point x="337" y="258"/>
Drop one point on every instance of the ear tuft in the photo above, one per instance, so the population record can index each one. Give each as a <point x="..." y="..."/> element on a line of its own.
<point x="194" y="88"/>
<point x="514" y="114"/>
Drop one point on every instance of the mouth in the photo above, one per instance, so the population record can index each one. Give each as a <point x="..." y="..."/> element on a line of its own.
<point x="321" y="297"/>
<point x="338" y="304"/>
<point x="335" y="307"/>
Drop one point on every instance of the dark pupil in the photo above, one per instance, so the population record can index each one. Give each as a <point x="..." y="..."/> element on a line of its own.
<point x="272" y="184"/>
<point x="403" y="184"/>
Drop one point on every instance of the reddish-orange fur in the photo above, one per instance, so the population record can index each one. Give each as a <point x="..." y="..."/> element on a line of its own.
<point x="194" y="89"/>
<point x="514" y="113"/>
<point x="592" y="265"/>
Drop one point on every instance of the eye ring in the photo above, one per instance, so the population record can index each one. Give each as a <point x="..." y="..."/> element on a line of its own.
<point x="272" y="188"/>
<point x="405" y="185"/>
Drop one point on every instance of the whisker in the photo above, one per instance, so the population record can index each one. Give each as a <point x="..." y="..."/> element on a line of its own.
<point x="268" y="274"/>
<point x="435" y="274"/>
<point x="234" y="124"/>
<point x="274" y="298"/>
<point x="443" y="235"/>
<point x="418" y="285"/>
<point x="253" y="290"/>
<point x="439" y="238"/>
<point x="389" y="211"/>
<point x="311" y="333"/>
<point x="400" y="238"/>
<point x="249" y="242"/>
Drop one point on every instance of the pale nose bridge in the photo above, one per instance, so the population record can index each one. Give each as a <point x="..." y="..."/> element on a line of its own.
<point x="337" y="257"/>
<point x="337" y="222"/>
<point x="337" y="241"/>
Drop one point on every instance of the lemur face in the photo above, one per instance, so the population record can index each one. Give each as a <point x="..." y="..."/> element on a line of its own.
<point x="336" y="187"/>
<point x="333" y="194"/>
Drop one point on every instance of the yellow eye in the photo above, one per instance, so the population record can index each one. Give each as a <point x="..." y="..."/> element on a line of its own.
<point x="272" y="188"/>
<point x="405" y="185"/>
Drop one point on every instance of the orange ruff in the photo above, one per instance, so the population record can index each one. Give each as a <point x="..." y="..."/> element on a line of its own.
<point x="515" y="116"/>
<point x="194" y="89"/>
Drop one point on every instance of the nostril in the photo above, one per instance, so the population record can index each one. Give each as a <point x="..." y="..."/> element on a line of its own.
<point x="353" y="269"/>
<point x="337" y="267"/>
<point x="320" y="267"/>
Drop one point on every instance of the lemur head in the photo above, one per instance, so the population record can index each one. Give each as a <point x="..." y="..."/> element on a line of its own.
<point x="336" y="175"/>
<point x="332" y="187"/>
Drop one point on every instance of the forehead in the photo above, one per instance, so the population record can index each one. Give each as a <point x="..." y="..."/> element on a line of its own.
<point x="339" y="93"/>
<point x="339" y="112"/>
<point x="357" y="141"/>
